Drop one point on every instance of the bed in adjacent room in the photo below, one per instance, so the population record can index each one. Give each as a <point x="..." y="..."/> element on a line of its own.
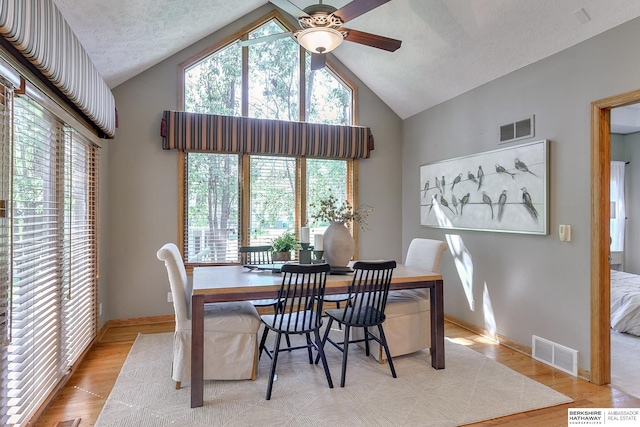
<point x="625" y="302"/>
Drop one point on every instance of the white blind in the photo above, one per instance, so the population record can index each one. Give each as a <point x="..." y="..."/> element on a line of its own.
<point x="273" y="197"/>
<point x="52" y="257"/>
<point x="211" y="208"/>
<point x="325" y="177"/>
<point x="5" y="238"/>
<point x="37" y="258"/>
<point x="80" y="245"/>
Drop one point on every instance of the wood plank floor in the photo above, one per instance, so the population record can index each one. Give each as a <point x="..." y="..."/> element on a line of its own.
<point x="88" y="388"/>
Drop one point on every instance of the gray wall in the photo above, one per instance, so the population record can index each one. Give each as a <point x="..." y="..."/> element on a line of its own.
<point x="142" y="199"/>
<point x="527" y="284"/>
<point x="632" y="203"/>
<point x="618" y="147"/>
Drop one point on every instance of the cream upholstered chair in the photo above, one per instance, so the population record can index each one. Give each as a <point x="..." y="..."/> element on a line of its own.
<point x="408" y="313"/>
<point x="230" y="330"/>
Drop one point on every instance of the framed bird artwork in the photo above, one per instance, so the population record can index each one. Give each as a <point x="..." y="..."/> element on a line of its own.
<point x="503" y="190"/>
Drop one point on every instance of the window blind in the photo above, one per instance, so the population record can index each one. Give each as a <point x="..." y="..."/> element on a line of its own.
<point x="5" y="237"/>
<point x="50" y="270"/>
<point x="80" y="246"/>
<point x="37" y="258"/>
<point x="211" y="208"/>
<point x="273" y="195"/>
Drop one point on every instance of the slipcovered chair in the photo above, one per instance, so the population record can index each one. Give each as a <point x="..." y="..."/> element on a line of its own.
<point x="230" y="330"/>
<point x="408" y="313"/>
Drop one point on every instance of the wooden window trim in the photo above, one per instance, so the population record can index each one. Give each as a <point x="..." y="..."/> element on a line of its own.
<point x="244" y="184"/>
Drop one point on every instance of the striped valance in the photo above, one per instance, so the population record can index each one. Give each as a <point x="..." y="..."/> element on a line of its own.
<point x="233" y="134"/>
<point x="37" y="29"/>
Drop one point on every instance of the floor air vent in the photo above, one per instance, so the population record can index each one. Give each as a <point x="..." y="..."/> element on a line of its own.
<point x="556" y="355"/>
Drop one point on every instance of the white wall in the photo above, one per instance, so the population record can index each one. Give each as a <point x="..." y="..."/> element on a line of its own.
<point x="535" y="284"/>
<point x="143" y="184"/>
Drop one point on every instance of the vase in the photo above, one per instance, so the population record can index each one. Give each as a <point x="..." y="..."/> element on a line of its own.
<point x="338" y="245"/>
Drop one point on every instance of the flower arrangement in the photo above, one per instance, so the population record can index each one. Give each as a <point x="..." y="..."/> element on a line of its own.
<point x="328" y="210"/>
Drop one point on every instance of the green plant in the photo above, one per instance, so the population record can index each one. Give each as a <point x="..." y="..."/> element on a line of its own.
<point x="286" y="242"/>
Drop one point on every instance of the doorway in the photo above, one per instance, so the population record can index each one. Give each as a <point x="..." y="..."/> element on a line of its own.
<point x="600" y="271"/>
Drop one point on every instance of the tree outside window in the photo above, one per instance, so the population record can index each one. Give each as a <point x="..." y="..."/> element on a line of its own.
<point x="227" y="205"/>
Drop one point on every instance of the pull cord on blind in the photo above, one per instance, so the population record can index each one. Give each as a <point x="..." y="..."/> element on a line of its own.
<point x="51" y="266"/>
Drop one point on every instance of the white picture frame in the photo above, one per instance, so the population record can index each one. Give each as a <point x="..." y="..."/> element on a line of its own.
<point x="518" y="173"/>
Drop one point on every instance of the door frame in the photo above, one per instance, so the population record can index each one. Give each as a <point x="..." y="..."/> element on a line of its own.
<point x="600" y="243"/>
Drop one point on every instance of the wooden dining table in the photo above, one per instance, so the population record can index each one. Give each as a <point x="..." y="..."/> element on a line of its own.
<point x="237" y="283"/>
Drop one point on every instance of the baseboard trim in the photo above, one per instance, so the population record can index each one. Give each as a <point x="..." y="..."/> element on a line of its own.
<point x="520" y="348"/>
<point x="138" y="321"/>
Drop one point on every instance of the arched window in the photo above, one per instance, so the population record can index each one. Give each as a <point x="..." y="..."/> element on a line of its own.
<point x="231" y="200"/>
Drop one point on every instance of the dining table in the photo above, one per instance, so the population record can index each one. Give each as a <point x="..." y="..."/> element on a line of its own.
<point x="237" y="283"/>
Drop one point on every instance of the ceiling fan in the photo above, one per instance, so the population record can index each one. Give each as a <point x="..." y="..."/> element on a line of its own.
<point x="322" y="31"/>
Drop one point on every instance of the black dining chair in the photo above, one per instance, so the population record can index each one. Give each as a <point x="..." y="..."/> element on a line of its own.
<point x="368" y="292"/>
<point x="301" y="284"/>
<point x="257" y="255"/>
<point x="254" y="255"/>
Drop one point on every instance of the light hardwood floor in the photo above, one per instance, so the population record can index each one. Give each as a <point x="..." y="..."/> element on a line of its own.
<point x="88" y="388"/>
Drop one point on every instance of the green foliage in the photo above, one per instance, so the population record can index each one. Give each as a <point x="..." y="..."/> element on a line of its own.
<point x="214" y="86"/>
<point x="328" y="210"/>
<point x="286" y="242"/>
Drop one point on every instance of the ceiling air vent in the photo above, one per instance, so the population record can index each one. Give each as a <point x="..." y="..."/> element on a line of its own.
<point x="517" y="130"/>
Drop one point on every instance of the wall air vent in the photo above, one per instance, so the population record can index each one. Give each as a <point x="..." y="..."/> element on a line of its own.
<point x="517" y="130"/>
<point x="556" y="355"/>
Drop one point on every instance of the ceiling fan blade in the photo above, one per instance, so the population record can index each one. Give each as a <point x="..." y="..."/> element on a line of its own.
<point x="356" y="8"/>
<point x="318" y="61"/>
<point x="269" y="38"/>
<point x="290" y="8"/>
<point x="373" y="40"/>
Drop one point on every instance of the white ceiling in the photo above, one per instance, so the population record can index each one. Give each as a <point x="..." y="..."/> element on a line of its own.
<point x="625" y="120"/>
<point x="449" y="46"/>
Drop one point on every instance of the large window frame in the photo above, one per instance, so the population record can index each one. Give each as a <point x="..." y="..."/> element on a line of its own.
<point x="244" y="160"/>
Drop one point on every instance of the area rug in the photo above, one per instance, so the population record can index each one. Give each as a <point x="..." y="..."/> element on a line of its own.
<point x="472" y="388"/>
<point x="625" y="363"/>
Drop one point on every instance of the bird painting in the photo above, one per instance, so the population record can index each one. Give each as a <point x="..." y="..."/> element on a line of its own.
<point x="487" y="200"/>
<point x="464" y="201"/>
<point x="480" y="177"/>
<point x="526" y="200"/>
<point x="501" y="202"/>
<point x="522" y="167"/>
<point x="442" y="183"/>
<point x="444" y="203"/>
<point x="472" y="177"/>
<point x="426" y="188"/>
<point x="501" y="169"/>
<point x="438" y="184"/>
<point x="434" y="200"/>
<point x="456" y="180"/>
<point x="454" y="201"/>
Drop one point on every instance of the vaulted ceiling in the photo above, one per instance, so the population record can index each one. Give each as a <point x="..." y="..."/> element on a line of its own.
<point x="448" y="46"/>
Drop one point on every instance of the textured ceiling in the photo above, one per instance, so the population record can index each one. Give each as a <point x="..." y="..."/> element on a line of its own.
<point x="449" y="46"/>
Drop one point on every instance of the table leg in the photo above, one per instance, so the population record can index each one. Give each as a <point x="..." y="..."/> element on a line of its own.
<point x="197" y="350"/>
<point x="437" y="325"/>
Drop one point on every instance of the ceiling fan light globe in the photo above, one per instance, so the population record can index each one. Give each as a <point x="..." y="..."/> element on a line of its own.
<point x="320" y="39"/>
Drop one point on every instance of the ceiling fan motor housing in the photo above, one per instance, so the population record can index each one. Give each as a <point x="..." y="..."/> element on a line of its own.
<point x="320" y="15"/>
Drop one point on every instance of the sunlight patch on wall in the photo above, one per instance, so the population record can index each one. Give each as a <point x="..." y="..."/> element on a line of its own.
<point x="461" y="256"/>
<point x="487" y="307"/>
